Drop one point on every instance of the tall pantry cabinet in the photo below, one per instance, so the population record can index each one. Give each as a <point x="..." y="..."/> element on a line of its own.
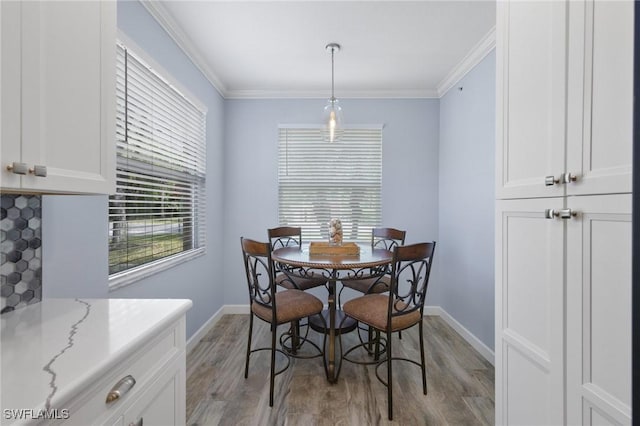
<point x="563" y="212"/>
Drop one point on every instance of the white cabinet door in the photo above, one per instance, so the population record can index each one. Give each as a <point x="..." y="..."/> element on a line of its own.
<point x="529" y="313"/>
<point x="600" y="96"/>
<point x="599" y="311"/>
<point x="530" y="100"/>
<point x="9" y="91"/>
<point x="66" y="104"/>
<point x="163" y="401"/>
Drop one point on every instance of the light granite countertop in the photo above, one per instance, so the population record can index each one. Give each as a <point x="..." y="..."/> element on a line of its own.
<point x="56" y="348"/>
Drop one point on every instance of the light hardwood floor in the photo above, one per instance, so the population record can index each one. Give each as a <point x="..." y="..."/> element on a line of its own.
<point x="460" y="382"/>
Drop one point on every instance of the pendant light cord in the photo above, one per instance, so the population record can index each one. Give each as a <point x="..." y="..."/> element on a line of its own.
<point x="333" y="98"/>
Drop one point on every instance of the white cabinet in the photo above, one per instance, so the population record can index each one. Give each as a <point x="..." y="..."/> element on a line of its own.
<point x="158" y="396"/>
<point x="563" y="214"/>
<point x="564" y="98"/>
<point x="600" y="94"/>
<point x="599" y="311"/>
<point x="91" y="348"/>
<point x="164" y="402"/>
<point x="529" y="348"/>
<point x="530" y="102"/>
<point x="57" y="86"/>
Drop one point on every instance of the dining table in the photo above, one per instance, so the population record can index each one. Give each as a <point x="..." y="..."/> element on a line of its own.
<point x="298" y="261"/>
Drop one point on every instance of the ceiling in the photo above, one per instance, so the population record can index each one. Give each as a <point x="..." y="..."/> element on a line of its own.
<point x="276" y="49"/>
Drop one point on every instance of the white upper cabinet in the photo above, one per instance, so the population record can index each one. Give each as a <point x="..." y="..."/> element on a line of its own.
<point x="530" y="98"/>
<point x="600" y="97"/>
<point x="564" y="98"/>
<point x="58" y="96"/>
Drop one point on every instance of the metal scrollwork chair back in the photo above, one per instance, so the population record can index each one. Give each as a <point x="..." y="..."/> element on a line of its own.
<point x="290" y="236"/>
<point x="381" y="238"/>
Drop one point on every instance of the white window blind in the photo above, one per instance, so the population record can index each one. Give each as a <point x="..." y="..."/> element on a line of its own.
<point x="318" y="180"/>
<point x="158" y="210"/>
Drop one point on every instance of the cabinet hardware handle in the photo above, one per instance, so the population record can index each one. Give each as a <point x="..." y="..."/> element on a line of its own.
<point x="567" y="213"/>
<point x="38" y="171"/>
<point x="123" y="386"/>
<point x="138" y="423"/>
<point x="551" y="180"/>
<point x="569" y="177"/>
<point x="18" y="168"/>
<point x="562" y="213"/>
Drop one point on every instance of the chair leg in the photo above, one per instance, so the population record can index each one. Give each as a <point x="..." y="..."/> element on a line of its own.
<point x="400" y="335"/>
<point x="369" y="338"/>
<point x="377" y="351"/>
<point x="246" y="366"/>
<point x="273" y="363"/>
<point x="295" y="336"/>
<point x="422" y="364"/>
<point x="389" y="383"/>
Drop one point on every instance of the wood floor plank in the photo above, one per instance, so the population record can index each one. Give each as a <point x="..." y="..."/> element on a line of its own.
<point x="460" y="382"/>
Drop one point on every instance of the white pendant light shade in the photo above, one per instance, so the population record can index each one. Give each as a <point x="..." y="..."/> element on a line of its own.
<point x="332" y="112"/>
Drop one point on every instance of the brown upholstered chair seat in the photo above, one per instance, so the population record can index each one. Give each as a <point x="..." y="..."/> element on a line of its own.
<point x="300" y="283"/>
<point x="369" y="285"/>
<point x="372" y="310"/>
<point x="292" y="305"/>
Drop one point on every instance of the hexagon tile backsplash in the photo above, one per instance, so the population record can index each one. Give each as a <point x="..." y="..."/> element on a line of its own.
<point x="21" y="251"/>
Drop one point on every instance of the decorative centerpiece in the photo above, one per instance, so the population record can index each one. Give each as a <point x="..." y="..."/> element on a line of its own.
<point x="335" y="232"/>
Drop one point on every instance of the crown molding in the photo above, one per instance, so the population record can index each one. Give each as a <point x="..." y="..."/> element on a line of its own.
<point x="473" y="58"/>
<point x="348" y="94"/>
<point x="166" y="21"/>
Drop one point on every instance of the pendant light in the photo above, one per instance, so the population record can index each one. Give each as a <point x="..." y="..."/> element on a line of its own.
<point x="333" y="111"/>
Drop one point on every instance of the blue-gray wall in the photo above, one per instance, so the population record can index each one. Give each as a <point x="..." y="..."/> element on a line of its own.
<point x="409" y="168"/>
<point x="438" y="168"/>
<point x="75" y="238"/>
<point x="465" y="251"/>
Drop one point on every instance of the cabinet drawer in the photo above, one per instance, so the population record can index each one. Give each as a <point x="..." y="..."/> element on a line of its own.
<point x="143" y="365"/>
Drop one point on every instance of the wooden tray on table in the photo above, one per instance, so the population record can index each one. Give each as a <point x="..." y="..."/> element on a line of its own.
<point x="321" y="248"/>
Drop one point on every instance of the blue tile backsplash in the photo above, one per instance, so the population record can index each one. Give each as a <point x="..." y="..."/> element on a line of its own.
<point x="20" y="251"/>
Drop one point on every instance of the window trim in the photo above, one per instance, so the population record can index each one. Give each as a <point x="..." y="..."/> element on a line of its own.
<point x="130" y="276"/>
<point x="124" y="278"/>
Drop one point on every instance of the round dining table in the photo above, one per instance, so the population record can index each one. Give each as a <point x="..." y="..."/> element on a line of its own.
<point x="299" y="262"/>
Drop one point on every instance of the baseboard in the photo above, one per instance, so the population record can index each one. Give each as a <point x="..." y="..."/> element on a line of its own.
<point x="202" y="331"/>
<point x="208" y="325"/>
<point x="469" y="337"/>
<point x="482" y="349"/>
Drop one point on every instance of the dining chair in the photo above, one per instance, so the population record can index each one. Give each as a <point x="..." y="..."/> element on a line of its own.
<point x="382" y="238"/>
<point x="399" y="310"/>
<point x="274" y="306"/>
<point x="291" y="236"/>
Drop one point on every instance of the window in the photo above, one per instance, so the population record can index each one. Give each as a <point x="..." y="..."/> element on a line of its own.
<point x="318" y="180"/>
<point x="156" y="217"/>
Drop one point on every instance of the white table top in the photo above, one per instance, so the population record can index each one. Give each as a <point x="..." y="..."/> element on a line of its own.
<point x="52" y="349"/>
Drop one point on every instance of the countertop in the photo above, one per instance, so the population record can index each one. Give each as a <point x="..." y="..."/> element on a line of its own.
<point x="54" y="349"/>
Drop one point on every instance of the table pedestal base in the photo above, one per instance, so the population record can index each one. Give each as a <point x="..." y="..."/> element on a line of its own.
<point x="316" y="323"/>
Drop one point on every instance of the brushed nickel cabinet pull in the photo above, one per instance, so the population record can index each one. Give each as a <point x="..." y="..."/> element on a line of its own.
<point x="551" y="214"/>
<point x="568" y="178"/>
<point x="40" y="171"/>
<point x="551" y="180"/>
<point x="123" y="386"/>
<point x="18" y="168"/>
<point x="567" y="213"/>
